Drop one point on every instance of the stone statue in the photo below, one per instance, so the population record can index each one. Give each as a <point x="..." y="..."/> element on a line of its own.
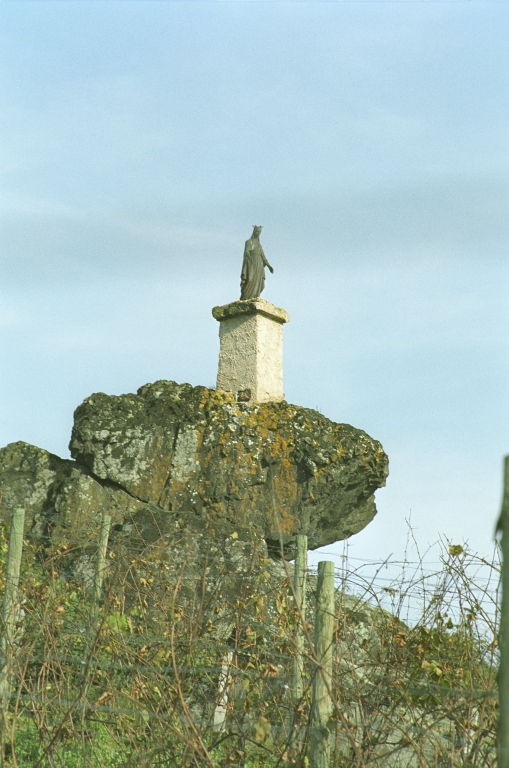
<point x="252" y="277"/>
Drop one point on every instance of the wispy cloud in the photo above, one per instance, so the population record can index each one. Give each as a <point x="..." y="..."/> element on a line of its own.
<point x="451" y="220"/>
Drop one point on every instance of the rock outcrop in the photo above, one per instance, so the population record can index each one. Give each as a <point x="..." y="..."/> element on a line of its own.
<point x="173" y="455"/>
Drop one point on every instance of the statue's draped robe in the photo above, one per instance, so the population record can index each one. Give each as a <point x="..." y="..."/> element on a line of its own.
<point x="252" y="277"/>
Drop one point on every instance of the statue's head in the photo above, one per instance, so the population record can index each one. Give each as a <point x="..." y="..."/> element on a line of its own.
<point x="257" y="230"/>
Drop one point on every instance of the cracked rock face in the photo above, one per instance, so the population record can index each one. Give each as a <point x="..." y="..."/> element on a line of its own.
<point x="27" y="474"/>
<point x="272" y="470"/>
<point x="173" y="455"/>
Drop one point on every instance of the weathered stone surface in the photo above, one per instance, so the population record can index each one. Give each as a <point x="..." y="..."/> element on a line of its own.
<point x="61" y="498"/>
<point x="76" y="502"/>
<point x="173" y="457"/>
<point x="251" y="307"/>
<point x="251" y="355"/>
<point x="269" y="470"/>
<point x="27" y="474"/>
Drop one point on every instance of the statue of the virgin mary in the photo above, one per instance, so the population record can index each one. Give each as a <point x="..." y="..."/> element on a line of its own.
<point x="252" y="277"/>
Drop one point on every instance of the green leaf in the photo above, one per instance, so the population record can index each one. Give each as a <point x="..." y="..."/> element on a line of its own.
<point x="118" y="622"/>
<point x="455" y="550"/>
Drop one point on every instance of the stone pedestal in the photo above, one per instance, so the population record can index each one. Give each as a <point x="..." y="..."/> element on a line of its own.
<point x="251" y="353"/>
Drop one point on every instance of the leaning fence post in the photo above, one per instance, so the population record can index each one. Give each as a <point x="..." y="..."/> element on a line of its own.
<point x="104" y="533"/>
<point x="9" y="616"/>
<point x="321" y="704"/>
<point x="503" y="672"/>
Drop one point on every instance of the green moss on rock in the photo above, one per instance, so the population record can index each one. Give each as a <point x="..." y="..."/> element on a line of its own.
<point x="27" y="475"/>
<point x="177" y="457"/>
<point x="269" y="470"/>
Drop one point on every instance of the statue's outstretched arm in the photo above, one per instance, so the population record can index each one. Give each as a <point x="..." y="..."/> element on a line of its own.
<point x="266" y="262"/>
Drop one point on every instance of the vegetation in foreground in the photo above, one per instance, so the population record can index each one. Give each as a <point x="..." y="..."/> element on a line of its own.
<point x="180" y="640"/>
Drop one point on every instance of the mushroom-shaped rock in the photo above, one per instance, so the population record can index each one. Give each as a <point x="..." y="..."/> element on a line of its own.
<point x="196" y="456"/>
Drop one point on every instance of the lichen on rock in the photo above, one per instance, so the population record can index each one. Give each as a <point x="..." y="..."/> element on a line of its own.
<point x="272" y="470"/>
<point x="176" y="454"/>
<point x="27" y="475"/>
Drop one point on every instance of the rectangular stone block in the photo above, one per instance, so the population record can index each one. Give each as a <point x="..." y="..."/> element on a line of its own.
<point x="251" y="350"/>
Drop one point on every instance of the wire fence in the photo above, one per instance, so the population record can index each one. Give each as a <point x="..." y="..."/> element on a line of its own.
<point x="186" y="658"/>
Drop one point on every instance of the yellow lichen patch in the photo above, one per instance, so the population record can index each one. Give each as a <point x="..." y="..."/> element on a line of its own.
<point x="278" y="446"/>
<point x="152" y="477"/>
<point x="283" y="519"/>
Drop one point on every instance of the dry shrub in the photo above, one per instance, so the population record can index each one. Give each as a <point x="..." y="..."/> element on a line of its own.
<point x="190" y="661"/>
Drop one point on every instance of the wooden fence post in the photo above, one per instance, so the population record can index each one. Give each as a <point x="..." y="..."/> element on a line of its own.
<point x="297" y="684"/>
<point x="503" y="672"/>
<point x="104" y="533"/>
<point x="321" y="705"/>
<point x="9" y="616"/>
<point x="223" y="692"/>
<point x="299" y="585"/>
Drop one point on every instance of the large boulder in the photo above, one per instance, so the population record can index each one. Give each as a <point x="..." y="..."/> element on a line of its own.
<point x="173" y="457"/>
<point x="268" y="471"/>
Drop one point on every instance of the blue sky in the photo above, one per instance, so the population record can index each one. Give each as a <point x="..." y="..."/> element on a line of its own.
<point x="141" y="140"/>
